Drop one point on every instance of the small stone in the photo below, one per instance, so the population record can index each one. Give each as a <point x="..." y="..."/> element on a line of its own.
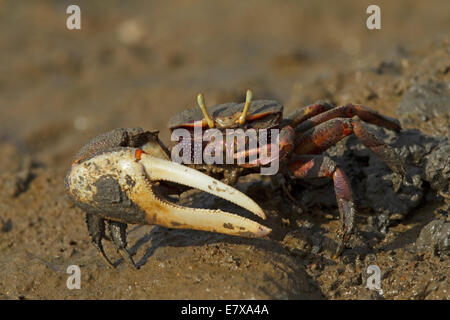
<point x="435" y="236"/>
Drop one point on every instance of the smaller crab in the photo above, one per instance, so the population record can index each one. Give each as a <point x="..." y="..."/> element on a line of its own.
<point x="119" y="178"/>
<point x="303" y="137"/>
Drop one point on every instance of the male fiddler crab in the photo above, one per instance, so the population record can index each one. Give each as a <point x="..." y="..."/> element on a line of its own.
<point x="121" y="177"/>
<point x="303" y="137"/>
<point x="118" y="178"/>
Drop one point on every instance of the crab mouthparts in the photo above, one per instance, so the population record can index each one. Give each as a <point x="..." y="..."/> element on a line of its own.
<point x="174" y="216"/>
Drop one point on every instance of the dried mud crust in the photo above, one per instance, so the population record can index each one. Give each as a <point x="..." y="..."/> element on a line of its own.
<point x="143" y="80"/>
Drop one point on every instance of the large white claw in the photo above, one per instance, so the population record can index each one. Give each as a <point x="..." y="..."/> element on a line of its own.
<point x="162" y="212"/>
<point x="105" y="184"/>
<point x="176" y="216"/>
<point x="159" y="169"/>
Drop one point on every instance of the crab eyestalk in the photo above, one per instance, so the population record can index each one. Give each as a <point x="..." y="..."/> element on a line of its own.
<point x="202" y="105"/>
<point x="248" y="102"/>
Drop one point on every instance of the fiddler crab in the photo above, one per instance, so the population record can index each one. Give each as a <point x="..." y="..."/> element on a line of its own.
<point x="121" y="177"/>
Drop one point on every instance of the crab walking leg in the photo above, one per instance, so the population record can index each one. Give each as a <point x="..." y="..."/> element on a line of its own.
<point x="118" y="231"/>
<point x="96" y="229"/>
<point x="260" y="159"/>
<point x="349" y="111"/>
<point x="284" y="146"/>
<point x="159" y="169"/>
<point x="370" y="140"/>
<point x="318" y="139"/>
<point x="300" y="115"/>
<point x="309" y="166"/>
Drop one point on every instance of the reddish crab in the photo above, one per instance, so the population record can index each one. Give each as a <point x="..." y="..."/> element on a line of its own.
<point x="303" y="136"/>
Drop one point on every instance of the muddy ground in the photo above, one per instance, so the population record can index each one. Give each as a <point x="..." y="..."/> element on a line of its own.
<point x="136" y="64"/>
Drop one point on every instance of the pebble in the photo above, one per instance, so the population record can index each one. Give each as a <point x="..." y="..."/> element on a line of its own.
<point x="435" y="237"/>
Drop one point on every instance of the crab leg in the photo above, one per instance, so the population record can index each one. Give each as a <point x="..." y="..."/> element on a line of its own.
<point x="96" y="229"/>
<point x="300" y="115"/>
<point x="320" y="138"/>
<point x="118" y="232"/>
<point x="284" y="146"/>
<point x="309" y="166"/>
<point x="348" y="111"/>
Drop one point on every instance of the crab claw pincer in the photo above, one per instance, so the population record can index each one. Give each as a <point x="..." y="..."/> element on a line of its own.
<point x="122" y="185"/>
